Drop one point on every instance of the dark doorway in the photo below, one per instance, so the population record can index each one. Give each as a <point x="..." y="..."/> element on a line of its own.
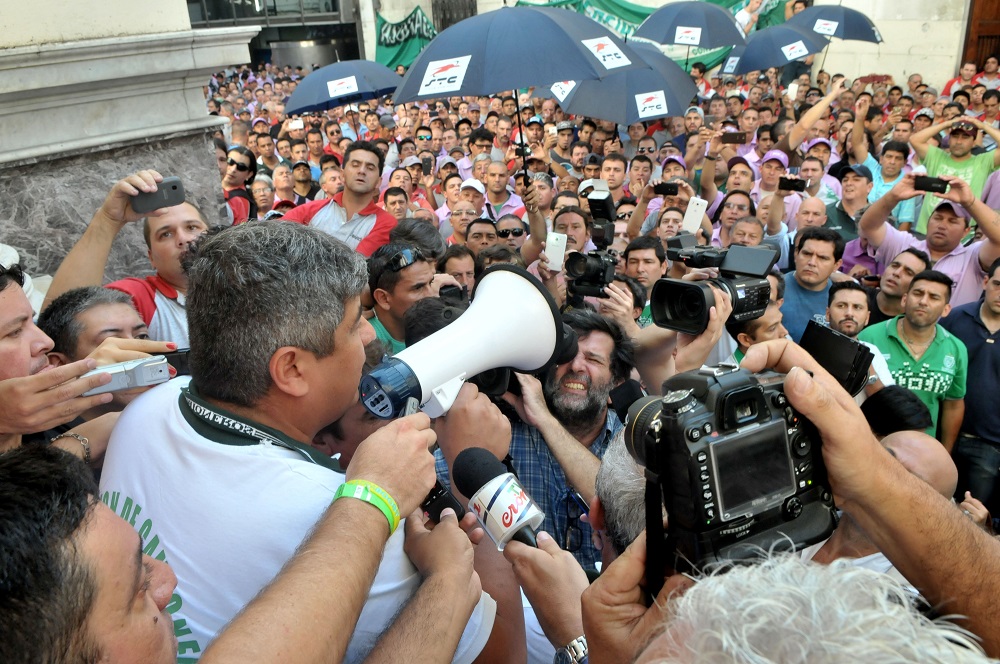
<point x="449" y="12"/>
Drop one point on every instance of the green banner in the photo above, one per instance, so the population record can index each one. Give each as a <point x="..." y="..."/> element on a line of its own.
<point x="623" y="17"/>
<point x="401" y="43"/>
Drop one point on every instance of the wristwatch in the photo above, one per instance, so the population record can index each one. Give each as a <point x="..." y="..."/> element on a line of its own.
<point x="573" y="653"/>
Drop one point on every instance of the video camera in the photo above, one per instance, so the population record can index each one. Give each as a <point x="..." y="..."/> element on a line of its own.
<point x="739" y="472"/>
<point x="592" y="272"/>
<point x="684" y="305"/>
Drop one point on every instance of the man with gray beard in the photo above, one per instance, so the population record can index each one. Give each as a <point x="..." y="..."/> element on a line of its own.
<point x="566" y="426"/>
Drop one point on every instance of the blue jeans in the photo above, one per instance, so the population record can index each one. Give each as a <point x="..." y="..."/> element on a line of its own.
<point x="978" y="463"/>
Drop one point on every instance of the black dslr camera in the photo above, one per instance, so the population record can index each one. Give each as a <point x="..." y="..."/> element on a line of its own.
<point x="739" y="472"/>
<point x="684" y="305"/>
<point x="592" y="272"/>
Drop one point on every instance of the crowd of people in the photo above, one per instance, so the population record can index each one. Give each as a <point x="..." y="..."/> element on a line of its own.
<point x="256" y="511"/>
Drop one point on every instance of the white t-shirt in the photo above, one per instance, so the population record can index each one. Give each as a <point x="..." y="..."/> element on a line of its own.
<point x="876" y="562"/>
<point x="226" y="517"/>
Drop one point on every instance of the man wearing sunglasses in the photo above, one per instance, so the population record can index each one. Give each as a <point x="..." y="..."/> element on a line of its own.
<point x="241" y="168"/>
<point x="352" y="216"/>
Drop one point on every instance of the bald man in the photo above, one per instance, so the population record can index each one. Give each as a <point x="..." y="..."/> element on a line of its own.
<point x="812" y="212"/>
<point x="923" y="457"/>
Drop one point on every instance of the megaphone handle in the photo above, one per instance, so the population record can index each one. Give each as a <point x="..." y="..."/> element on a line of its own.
<point x="443" y="397"/>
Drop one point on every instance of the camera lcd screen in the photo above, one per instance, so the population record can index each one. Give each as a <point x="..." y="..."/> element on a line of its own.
<point x="754" y="470"/>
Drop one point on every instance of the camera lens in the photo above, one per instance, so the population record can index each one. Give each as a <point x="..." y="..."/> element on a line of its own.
<point x="576" y="265"/>
<point x="681" y="305"/>
<point x="641" y="415"/>
<point x="689" y="306"/>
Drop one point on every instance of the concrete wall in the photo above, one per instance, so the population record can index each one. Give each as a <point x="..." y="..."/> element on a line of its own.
<point x="50" y="21"/>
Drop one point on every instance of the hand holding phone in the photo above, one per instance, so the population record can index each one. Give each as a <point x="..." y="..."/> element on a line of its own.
<point x="555" y="251"/>
<point x="791" y="184"/>
<point x="169" y="192"/>
<point x="927" y="183"/>
<point x="734" y="137"/>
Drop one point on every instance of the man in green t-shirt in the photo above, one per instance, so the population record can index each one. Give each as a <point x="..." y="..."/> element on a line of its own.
<point x="957" y="159"/>
<point x="923" y="356"/>
<point x="398" y="276"/>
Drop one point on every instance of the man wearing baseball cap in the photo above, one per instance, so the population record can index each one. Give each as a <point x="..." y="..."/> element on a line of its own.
<point x="957" y="159"/>
<point x="843" y="216"/>
<point x="948" y="222"/>
<point x="773" y="166"/>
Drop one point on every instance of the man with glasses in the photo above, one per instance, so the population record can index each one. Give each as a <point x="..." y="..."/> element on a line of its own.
<point x="352" y="215"/>
<point x="262" y="191"/>
<point x="422" y="138"/>
<point x="511" y="231"/>
<point x="462" y="215"/>
<point x="480" y="142"/>
<point x="241" y="168"/>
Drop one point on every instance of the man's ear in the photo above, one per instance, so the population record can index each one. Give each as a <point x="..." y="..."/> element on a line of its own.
<point x="596" y="515"/>
<point x="743" y="339"/>
<point x="381" y="297"/>
<point x="289" y="367"/>
<point x="58" y="359"/>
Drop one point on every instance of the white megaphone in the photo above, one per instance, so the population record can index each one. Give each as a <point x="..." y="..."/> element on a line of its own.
<point x="512" y="322"/>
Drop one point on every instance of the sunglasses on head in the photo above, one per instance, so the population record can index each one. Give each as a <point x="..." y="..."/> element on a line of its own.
<point x="242" y="168"/>
<point x="404" y="259"/>
<point x="507" y="232"/>
<point x="14" y="272"/>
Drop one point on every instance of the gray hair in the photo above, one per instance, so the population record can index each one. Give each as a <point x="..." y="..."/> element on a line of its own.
<point x="621" y="489"/>
<point x="266" y="179"/>
<point x="257" y="287"/>
<point x="788" y="610"/>
<point x="482" y="157"/>
<point x="543" y="177"/>
<point x="59" y="320"/>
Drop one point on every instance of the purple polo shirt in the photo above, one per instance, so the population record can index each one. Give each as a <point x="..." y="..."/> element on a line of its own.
<point x="856" y="254"/>
<point x="792" y="203"/>
<point x="962" y="264"/>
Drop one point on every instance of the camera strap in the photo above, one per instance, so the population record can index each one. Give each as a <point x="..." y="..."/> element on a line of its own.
<point x="657" y="545"/>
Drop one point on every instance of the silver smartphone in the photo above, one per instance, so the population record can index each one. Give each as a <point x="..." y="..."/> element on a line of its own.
<point x="143" y="372"/>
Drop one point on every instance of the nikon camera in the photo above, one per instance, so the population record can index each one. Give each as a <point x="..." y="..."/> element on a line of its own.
<point x="739" y="471"/>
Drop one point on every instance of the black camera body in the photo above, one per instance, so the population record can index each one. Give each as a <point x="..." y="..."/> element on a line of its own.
<point x="684" y="305"/>
<point x="740" y="472"/>
<point x="591" y="273"/>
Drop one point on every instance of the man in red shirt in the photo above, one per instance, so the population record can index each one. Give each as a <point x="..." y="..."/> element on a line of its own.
<point x="352" y="215"/>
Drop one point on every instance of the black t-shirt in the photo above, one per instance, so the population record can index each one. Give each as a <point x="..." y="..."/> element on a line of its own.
<point x="875" y="315"/>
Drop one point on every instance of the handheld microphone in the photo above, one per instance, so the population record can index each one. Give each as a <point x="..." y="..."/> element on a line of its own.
<point x="501" y="505"/>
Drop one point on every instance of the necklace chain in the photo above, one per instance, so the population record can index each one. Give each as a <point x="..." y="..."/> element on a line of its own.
<point x="912" y="344"/>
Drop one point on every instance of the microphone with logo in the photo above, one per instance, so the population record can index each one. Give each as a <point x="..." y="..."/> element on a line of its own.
<point x="501" y="505"/>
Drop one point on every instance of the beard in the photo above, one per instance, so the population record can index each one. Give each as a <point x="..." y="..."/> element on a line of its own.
<point x="577" y="413"/>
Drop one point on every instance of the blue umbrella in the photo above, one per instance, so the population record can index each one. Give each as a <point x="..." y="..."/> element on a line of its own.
<point x="699" y="24"/>
<point x="662" y="90"/>
<point x="775" y="46"/>
<point x="837" y="21"/>
<point x="341" y="83"/>
<point x="514" y="47"/>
